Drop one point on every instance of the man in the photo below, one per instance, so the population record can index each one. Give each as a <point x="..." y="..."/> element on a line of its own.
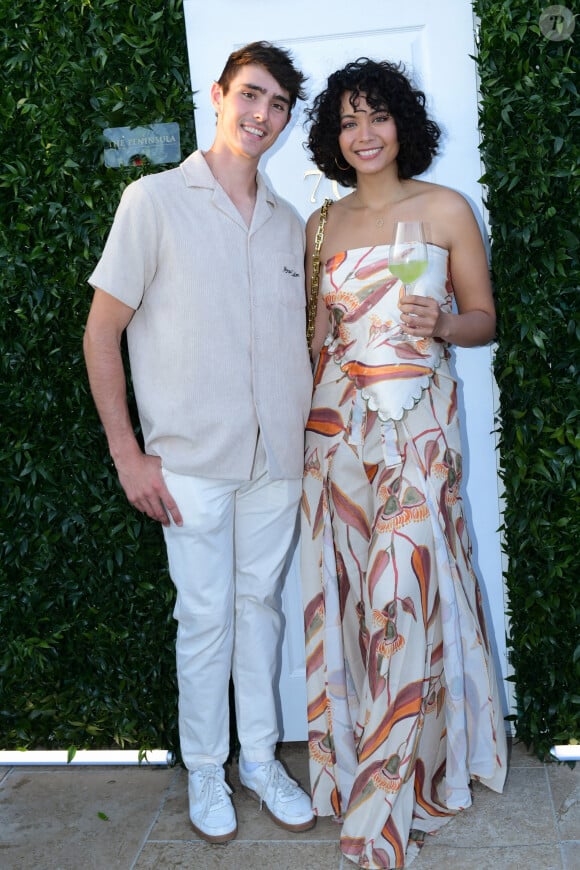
<point x="204" y="269"/>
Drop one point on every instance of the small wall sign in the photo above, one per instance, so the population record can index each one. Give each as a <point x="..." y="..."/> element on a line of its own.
<point x="134" y="146"/>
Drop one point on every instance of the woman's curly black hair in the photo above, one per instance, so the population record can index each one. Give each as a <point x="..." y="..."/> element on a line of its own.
<point x="385" y="87"/>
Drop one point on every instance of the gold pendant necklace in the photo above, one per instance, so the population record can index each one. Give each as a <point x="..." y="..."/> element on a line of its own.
<point x="379" y="221"/>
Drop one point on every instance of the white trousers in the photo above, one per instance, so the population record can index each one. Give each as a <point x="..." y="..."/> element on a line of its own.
<point x="226" y="562"/>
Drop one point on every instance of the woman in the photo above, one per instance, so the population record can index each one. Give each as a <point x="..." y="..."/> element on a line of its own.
<point x="403" y="703"/>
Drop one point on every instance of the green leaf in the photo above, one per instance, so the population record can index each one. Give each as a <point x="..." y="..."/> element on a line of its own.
<point x="528" y="111"/>
<point x="87" y="651"/>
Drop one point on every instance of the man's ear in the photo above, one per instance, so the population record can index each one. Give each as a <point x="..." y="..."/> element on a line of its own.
<point x="288" y="119"/>
<point x="216" y="95"/>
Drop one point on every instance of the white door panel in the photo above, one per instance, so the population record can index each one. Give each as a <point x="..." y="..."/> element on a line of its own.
<point x="435" y="41"/>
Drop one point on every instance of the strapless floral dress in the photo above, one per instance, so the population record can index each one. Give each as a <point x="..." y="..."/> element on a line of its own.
<point x="403" y="702"/>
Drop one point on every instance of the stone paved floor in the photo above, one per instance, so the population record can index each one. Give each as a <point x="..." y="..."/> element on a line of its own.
<point x="112" y="818"/>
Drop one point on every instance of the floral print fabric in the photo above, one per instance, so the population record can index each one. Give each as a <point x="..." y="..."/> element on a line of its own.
<point x="363" y="297"/>
<point x="403" y="704"/>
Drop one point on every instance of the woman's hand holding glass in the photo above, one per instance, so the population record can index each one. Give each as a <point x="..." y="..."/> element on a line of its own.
<point x="408" y="261"/>
<point x="422" y="315"/>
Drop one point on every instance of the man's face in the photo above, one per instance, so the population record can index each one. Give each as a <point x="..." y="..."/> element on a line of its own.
<point x="252" y="114"/>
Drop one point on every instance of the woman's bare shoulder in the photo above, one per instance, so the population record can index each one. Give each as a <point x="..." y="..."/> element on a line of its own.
<point x="451" y="201"/>
<point x="313" y="221"/>
<point x="337" y="211"/>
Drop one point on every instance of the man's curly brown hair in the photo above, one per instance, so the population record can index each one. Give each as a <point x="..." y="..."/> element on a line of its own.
<point x="385" y="86"/>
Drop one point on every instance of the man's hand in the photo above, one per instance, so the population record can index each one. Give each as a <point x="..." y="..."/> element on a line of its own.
<point x="142" y="480"/>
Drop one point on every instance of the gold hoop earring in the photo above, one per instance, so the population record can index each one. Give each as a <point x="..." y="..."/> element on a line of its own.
<point x="343" y="168"/>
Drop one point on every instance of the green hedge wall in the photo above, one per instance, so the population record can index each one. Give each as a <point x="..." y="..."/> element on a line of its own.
<point x="529" y="125"/>
<point x="86" y="652"/>
<point x="87" y="636"/>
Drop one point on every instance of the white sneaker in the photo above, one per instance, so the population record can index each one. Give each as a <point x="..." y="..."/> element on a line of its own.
<point x="210" y="808"/>
<point x="286" y="803"/>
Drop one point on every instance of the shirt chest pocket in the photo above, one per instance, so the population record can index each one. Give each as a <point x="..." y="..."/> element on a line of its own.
<point x="288" y="279"/>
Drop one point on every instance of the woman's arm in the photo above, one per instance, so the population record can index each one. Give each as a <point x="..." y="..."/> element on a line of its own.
<point x="322" y="322"/>
<point x="454" y="227"/>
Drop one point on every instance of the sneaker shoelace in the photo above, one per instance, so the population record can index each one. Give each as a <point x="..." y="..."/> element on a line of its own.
<point x="214" y="790"/>
<point x="279" y="781"/>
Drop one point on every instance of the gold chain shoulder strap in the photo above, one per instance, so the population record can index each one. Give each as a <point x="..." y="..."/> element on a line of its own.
<point x="315" y="281"/>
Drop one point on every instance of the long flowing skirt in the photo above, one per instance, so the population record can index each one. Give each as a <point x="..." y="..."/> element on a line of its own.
<point x="403" y="704"/>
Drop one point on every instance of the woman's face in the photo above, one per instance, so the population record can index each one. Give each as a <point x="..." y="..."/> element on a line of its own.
<point x="368" y="137"/>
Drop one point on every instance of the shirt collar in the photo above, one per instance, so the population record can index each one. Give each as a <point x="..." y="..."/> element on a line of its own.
<point x="197" y="173"/>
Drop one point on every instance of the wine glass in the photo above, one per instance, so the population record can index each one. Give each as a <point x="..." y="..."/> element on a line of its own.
<point x="407" y="260"/>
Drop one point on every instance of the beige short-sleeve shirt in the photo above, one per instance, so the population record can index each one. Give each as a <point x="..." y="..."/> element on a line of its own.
<point x="217" y="342"/>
